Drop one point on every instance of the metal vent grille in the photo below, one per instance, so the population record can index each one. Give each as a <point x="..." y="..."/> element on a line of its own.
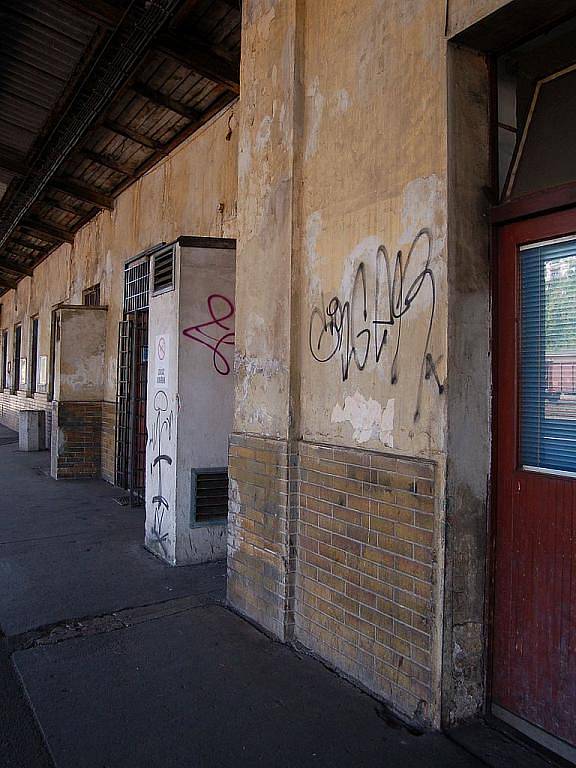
<point x="163" y="271"/>
<point x="209" y="502"/>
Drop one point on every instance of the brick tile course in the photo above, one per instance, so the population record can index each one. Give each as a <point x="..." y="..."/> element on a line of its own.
<point x="376" y="568"/>
<point x="78" y="436"/>
<point x="347" y="537"/>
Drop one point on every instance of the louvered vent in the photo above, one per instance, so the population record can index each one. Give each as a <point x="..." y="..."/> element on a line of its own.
<point x="209" y="495"/>
<point x="163" y="271"/>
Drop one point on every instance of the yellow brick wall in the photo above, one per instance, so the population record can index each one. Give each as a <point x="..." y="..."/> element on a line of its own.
<point x="364" y="570"/>
<point x="333" y="547"/>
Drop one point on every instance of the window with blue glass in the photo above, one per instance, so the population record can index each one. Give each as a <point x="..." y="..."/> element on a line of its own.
<point x="548" y="356"/>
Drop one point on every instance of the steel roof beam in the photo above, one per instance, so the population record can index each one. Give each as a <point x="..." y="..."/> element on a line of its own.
<point x="202" y="59"/>
<point x="133" y="135"/>
<point x="82" y="192"/>
<point x="104" y="13"/>
<point x="106" y="162"/>
<point x="11" y="162"/>
<point x="7" y="282"/>
<point x="47" y="230"/>
<point x="13" y="266"/>
<point x="162" y="100"/>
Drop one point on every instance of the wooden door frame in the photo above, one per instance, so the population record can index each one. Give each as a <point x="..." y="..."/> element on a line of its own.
<point x="534" y="206"/>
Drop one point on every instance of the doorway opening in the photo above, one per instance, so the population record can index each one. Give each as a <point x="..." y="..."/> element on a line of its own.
<point x="533" y="643"/>
<point x="509" y="621"/>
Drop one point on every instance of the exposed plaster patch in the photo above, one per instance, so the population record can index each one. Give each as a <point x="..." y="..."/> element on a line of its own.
<point x="244" y="155"/>
<point x="261" y="416"/>
<point x="284" y="126"/>
<point x="421" y="199"/>
<point x="316" y="105"/>
<point x="313" y="229"/>
<point x="256" y="330"/>
<point x="364" y="251"/>
<point x="246" y="368"/>
<point x="263" y="135"/>
<point x="262" y="18"/>
<point x="423" y="205"/>
<point x="368" y="419"/>
<point x="342" y="101"/>
<point x="364" y="58"/>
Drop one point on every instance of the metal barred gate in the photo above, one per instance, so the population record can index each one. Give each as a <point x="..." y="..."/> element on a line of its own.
<point x="132" y="380"/>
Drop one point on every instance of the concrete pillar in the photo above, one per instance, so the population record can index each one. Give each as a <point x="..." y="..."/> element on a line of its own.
<point x="469" y="402"/>
<point x="262" y="488"/>
<point x="31" y="430"/>
<point x="338" y="453"/>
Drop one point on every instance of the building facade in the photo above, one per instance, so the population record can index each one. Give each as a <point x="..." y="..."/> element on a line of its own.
<point x="350" y="342"/>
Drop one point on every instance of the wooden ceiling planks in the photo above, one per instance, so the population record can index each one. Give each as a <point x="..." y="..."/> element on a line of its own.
<point x="189" y="73"/>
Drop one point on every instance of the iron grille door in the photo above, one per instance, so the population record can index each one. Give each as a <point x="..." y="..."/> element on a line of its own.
<point x="138" y="404"/>
<point x="123" y="397"/>
<point x="132" y="384"/>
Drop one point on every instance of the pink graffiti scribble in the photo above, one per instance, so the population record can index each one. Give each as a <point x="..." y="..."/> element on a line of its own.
<point x="199" y="334"/>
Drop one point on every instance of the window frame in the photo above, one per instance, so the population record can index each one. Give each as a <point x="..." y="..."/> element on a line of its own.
<point x="33" y="349"/>
<point x="5" y="360"/>
<point x="16" y="355"/>
<point x="88" y="293"/>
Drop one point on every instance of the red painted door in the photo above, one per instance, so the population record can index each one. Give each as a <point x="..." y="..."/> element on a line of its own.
<point x="534" y="620"/>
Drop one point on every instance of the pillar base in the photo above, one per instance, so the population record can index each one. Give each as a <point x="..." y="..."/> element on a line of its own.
<point x="76" y="440"/>
<point x="31" y="430"/>
<point x="262" y="532"/>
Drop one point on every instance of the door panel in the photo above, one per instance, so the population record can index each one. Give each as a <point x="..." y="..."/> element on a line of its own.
<point x="534" y="638"/>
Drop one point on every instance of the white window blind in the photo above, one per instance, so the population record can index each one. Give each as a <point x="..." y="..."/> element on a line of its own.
<point x="548" y="356"/>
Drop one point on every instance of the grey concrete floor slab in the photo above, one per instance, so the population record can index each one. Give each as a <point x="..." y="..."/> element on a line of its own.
<point x="159" y="674"/>
<point x="7" y="435"/>
<point x="205" y="688"/>
<point x="68" y="550"/>
<point x="21" y="742"/>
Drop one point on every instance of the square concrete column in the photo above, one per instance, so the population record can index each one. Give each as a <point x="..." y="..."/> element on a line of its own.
<point x="31" y="430"/>
<point x="190" y="404"/>
<point x="261" y="521"/>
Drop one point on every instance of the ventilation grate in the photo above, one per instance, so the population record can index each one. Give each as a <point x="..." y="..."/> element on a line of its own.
<point x="209" y="496"/>
<point x="163" y="271"/>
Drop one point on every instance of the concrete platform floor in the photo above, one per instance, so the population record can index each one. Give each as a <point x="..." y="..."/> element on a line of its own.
<point x="109" y="658"/>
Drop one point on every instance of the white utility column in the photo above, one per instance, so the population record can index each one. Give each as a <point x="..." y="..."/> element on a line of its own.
<point x="190" y="399"/>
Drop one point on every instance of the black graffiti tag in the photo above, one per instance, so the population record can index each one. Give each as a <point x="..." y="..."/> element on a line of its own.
<point x="360" y="325"/>
<point x="161" y="427"/>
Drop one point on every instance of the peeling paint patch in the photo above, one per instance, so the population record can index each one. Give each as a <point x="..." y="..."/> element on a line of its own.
<point x="316" y="102"/>
<point x="367" y="418"/>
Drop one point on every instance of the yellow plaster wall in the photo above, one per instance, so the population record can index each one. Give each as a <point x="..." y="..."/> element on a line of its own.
<point x="265" y="218"/>
<point x="373" y="176"/>
<point x="192" y="192"/>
